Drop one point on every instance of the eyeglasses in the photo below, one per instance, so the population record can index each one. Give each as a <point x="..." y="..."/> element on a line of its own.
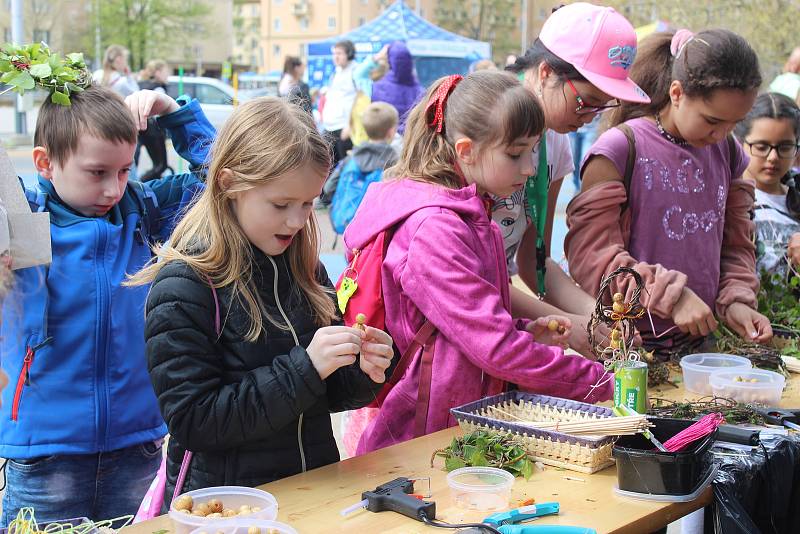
<point x="583" y="109"/>
<point x="763" y="150"/>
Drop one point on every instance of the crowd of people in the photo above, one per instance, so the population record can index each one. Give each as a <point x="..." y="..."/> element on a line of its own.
<point x="228" y="333"/>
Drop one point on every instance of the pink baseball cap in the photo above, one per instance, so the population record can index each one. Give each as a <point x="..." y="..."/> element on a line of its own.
<point x="601" y="45"/>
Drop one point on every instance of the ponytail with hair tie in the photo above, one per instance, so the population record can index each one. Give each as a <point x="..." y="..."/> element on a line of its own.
<point x="438" y="101"/>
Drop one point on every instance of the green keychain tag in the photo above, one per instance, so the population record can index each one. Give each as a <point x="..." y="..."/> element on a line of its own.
<point x="346" y="290"/>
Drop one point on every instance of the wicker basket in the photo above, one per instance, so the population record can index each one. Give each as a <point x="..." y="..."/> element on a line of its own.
<point x="576" y="453"/>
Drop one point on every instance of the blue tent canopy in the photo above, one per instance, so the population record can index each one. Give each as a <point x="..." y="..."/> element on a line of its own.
<point x="436" y="52"/>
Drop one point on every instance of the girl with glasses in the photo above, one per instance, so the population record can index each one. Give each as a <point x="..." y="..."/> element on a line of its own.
<point x="770" y="134"/>
<point x="577" y="68"/>
<point x="663" y="193"/>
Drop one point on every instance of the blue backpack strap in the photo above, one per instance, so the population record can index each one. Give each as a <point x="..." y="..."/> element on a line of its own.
<point x="146" y="200"/>
<point x="36" y="197"/>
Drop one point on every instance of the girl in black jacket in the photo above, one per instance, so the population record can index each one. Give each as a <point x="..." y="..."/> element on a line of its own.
<point x="252" y="401"/>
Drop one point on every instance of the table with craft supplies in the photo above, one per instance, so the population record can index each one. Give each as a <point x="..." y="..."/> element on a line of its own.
<point x="311" y="502"/>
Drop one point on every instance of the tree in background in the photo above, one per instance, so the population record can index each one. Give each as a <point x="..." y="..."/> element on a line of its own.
<point x="770" y="26"/>
<point x="148" y="28"/>
<point x="494" y="21"/>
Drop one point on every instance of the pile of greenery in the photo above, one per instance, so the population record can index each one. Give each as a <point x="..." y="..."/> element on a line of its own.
<point x="778" y="300"/>
<point x="487" y="449"/>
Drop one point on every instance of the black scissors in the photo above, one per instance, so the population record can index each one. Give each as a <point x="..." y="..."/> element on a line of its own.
<point x="780" y="416"/>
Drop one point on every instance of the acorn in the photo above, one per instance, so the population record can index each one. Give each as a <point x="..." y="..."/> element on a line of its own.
<point x="618" y="297"/>
<point x="618" y="307"/>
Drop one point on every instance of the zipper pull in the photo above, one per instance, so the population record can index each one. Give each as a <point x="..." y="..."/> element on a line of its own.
<point x="26" y="366"/>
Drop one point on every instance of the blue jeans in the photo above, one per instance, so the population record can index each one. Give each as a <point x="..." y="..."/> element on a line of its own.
<point x="99" y="486"/>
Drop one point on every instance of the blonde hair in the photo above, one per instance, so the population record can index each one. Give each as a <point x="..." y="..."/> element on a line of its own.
<point x="491" y="108"/>
<point x="262" y="140"/>
<point x="112" y="53"/>
<point x="153" y="66"/>
<point x="378" y="118"/>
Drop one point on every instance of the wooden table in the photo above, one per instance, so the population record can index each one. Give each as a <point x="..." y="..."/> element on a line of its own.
<point x="311" y="502"/>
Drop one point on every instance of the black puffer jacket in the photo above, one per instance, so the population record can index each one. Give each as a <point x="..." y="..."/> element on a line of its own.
<point x="245" y="409"/>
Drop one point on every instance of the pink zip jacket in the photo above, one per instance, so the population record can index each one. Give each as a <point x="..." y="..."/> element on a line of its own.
<point x="446" y="263"/>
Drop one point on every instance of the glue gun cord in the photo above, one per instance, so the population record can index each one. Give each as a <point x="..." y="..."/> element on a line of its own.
<point x="441" y="524"/>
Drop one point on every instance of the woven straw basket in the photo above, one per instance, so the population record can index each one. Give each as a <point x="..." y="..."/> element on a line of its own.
<point x="586" y="455"/>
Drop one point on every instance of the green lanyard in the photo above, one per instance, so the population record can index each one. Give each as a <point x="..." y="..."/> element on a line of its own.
<point x="536" y="192"/>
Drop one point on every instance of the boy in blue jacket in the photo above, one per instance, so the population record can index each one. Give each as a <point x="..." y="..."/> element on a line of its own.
<point x="79" y="421"/>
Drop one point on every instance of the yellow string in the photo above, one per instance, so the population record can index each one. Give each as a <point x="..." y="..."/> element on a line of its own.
<point x="25" y="523"/>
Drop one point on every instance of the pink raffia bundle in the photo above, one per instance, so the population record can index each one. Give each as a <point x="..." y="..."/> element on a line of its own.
<point x="699" y="430"/>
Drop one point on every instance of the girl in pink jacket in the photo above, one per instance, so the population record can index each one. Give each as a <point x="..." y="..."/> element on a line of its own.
<point x="467" y="139"/>
<point x="683" y="220"/>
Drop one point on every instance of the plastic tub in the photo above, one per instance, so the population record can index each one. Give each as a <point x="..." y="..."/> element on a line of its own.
<point x="242" y="525"/>
<point x="480" y="488"/>
<point x="643" y="469"/>
<point x="752" y="385"/>
<point x="697" y="369"/>
<point x="232" y="497"/>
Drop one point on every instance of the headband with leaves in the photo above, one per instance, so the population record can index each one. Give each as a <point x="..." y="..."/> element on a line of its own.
<point x="24" y="67"/>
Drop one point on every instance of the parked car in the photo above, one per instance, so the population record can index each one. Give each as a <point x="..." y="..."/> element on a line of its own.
<point x="215" y="97"/>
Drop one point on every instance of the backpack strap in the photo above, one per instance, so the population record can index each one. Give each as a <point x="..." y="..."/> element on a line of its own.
<point x="422" y="339"/>
<point x="148" y="207"/>
<point x="36" y="197"/>
<point x="732" y="152"/>
<point x="630" y="161"/>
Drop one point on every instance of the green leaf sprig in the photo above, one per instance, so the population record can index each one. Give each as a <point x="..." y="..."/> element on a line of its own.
<point x="487" y="449"/>
<point x="24" y="67"/>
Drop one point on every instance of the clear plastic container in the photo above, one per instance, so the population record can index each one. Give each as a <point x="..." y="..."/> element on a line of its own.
<point x="232" y="497"/>
<point x="751" y="385"/>
<point x="243" y="526"/>
<point x="484" y="489"/>
<point x="697" y="369"/>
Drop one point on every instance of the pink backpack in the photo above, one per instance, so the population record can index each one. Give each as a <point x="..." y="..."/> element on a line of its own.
<point x="360" y="290"/>
<point x="154" y="498"/>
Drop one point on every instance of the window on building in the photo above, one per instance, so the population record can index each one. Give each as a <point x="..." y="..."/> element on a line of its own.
<point x="303" y="23"/>
<point x="542" y="13"/>
<point x="254" y="43"/>
<point x="6" y="35"/>
<point x="331" y="23"/>
<point x="276" y="24"/>
<point x="362" y="21"/>
<point x="41" y="35"/>
<point x="277" y="2"/>
<point x="276" y="50"/>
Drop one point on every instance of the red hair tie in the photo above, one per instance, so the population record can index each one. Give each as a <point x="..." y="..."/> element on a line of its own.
<point x="438" y="100"/>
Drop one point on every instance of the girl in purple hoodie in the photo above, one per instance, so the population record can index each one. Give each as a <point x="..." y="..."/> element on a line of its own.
<point x="445" y="264"/>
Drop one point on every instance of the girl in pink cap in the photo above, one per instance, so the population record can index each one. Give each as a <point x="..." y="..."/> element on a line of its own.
<point x="578" y="67"/>
<point x="678" y="211"/>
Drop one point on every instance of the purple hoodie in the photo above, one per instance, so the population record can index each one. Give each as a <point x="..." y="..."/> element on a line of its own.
<point x="399" y="87"/>
<point x="446" y="262"/>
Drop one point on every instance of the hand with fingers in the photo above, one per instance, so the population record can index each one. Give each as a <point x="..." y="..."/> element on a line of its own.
<point x="376" y="354"/>
<point x="748" y="323"/>
<point x="793" y="250"/>
<point x="693" y="316"/>
<point x="333" y="347"/>
<point x="551" y="330"/>
<point x="145" y="104"/>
